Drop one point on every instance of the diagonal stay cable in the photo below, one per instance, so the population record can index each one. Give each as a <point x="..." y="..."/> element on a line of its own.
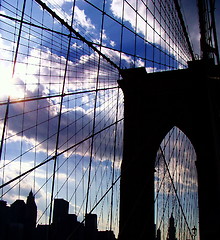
<point x="177" y="6"/>
<point x="58" y="154"/>
<point x="93" y="43"/>
<point x="71" y="29"/>
<point x="43" y="141"/>
<point x="174" y="188"/>
<point x="167" y="165"/>
<point x="175" y="170"/>
<point x="94" y="207"/>
<point x="13" y="72"/>
<point x="58" y="95"/>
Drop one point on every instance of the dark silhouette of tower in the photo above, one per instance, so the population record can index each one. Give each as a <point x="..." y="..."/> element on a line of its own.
<point x="149" y="113"/>
<point x="171" y="229"/>
<point x="158" y="237"/>
<point x="91" y="227"/>
<point x="30" y="216"/>
<point x="17" y="220"/>
<point x="106" y="235"/>
<point x="60" y="211"/>
<point x="31" y="210"/>
<point x="17" y="211"/>
<point x="60" y="219"/>
<point x="4" y="219"/>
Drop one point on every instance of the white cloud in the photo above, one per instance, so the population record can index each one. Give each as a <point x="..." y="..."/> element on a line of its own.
<point x="33" y="181"/>
<point x="112" y="43"/>
<point x="82" y="19"/>
<point x="130" y="16"/>
<point x="7" y="80"/>
<point x="42" y="72"/>
<point x="79" y="15"/>
<point x="180" y="158"/>
<point x="115" y="56"/>
<point x="146" y="26"/>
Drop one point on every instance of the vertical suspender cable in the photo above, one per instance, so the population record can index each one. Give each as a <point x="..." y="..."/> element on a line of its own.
<point x="212" y="12"/>
<point x="94" y="113"/>
<point x="13" y="72"/>
<point x="113" y="170"/>
<point x="59" y="119"/>
<point x="122" y="31"/>
<point x="177" y="6"/>
<point x="135" y="36"/>
<point x="145" y="42"/>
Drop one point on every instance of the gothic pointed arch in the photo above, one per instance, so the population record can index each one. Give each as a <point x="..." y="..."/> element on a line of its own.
<point x="175" y="184"/>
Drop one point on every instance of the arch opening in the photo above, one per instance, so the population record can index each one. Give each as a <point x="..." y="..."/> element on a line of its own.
<point x="176" y="188"/>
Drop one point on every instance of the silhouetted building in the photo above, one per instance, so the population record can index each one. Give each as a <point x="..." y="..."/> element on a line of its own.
<point x="59" y="227"/>
<point x="158" y="234"/>
<point x="4" y="219"/>
<point x="42" y="232"/>
<point x="17" y="212"/>
<point x="65" y="225"/>
<point x="106" y="235"/>
<point x="30" y="216"/>
<point x="19" y="222"/>
<point x="171" y="229"/>
<point x="91" y="231"/>
<point x="60" y="210"/>
<point x="76" y="230"/>
<point x="31" y="210"/>
<point x="91" y="227"/>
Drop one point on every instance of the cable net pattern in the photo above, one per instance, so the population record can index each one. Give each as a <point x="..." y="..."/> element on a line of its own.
<point x="176" y="187"/>
<point x="61" y="111"/>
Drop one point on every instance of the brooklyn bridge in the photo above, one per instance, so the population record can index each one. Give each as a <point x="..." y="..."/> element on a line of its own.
<point x="109" y="120"/>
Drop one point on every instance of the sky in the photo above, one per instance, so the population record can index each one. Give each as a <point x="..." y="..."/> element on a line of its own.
<point x="190" y="13"/>
<point x="43" y="61"/>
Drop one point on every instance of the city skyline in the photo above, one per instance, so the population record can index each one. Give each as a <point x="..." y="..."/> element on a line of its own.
<point x="62" y="110"/>
<point x="19" y="220"/>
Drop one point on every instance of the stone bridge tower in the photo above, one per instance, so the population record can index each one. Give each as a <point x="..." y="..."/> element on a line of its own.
<point x="154" y="103"/>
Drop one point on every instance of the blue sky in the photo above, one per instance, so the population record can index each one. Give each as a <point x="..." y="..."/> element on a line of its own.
<point x="40" y="70"/>
<point x="190" y="12"/>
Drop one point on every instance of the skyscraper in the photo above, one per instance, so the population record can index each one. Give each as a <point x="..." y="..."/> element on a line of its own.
<point x="4" y="218"/>
<point x="91" y="227"/>
<point x="30" y="216"/>
<point x="158" y="237"/>
<point x="60" y="211"/>
<point x="171" y="229"/>
<point x="31" y="210"/>
<point x="60" y="220"/>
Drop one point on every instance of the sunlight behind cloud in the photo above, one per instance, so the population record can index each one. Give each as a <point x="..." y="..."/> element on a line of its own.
<point x="8" y="84"/>
<point x="67" y="112"/>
